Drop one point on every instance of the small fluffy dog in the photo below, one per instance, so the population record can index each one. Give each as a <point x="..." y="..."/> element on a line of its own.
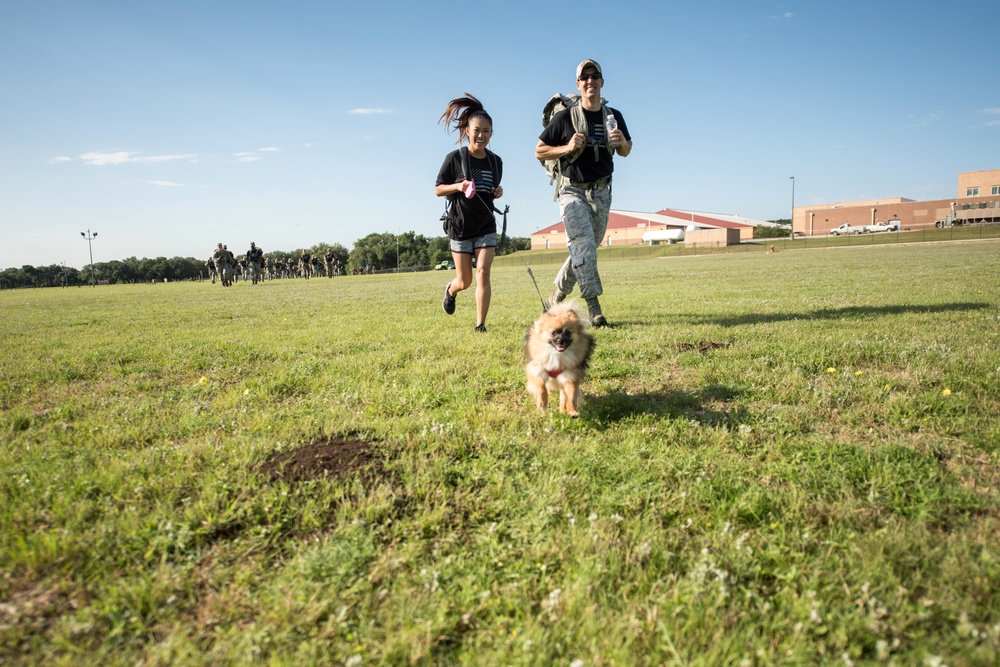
<point x="557" y="351"/>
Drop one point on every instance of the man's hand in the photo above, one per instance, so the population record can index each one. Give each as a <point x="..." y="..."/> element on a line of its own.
<point x="545" y="152"/>
<point x="576" y="143"/>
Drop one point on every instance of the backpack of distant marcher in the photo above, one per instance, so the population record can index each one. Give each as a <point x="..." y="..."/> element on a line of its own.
<point x="452" y="217"/>
<point x="557" y="103"/>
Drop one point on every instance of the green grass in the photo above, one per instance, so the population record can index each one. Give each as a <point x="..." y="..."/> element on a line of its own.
<point x="786" y="458"/>
<point x="964" y="233"/>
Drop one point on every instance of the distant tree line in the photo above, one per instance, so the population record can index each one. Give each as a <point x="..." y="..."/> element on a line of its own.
<point x="377" y="251"/>
<point x="778" y="229"/>
<point x="413" y="251"/>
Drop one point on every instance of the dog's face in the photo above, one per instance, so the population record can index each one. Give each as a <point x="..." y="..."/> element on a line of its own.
<point x="560" y="338"/>
<point x="560" y="330"/>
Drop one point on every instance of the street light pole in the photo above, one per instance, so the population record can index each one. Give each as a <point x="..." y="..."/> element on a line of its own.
<point x="793" y="202"/>
<point x="90" y="238"/>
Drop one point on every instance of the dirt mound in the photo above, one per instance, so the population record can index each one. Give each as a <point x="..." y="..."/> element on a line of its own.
<point x="338" y="457"/>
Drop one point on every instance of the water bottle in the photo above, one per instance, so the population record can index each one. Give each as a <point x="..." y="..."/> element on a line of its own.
<point x="611" y="124"/>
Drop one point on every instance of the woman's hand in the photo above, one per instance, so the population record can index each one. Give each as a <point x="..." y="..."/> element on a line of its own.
<point x="498" y="192"/>
<point x="445" y="190"/>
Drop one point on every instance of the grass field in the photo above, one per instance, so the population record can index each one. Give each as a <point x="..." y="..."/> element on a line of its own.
<point x="782" y="458"/>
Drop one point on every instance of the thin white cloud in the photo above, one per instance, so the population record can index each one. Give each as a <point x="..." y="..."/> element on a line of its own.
<point x="99" y="159"/>
<point x="59" y="159"/>
<point x="254" y="156"/>
<point x="309" y="145"/>
<point x="164" y="184"/>
<point x="368" y="111"/>
<point x="926" y="120"/>
<point x="990" y="111"/>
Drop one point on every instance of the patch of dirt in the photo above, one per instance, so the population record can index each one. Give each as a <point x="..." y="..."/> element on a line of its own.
<point x="34" y="607"/>
<point x="700" y="347"/>
<point x="339" y="457"/>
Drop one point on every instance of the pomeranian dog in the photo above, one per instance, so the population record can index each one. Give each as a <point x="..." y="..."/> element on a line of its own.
<point x="557" y="351"/>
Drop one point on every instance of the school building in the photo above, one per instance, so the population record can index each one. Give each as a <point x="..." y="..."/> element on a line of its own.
<point x="628" y="227"/>
<point x="976" y="200"/>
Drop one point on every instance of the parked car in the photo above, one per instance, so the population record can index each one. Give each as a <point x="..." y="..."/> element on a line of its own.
<point x="441" y="266"/>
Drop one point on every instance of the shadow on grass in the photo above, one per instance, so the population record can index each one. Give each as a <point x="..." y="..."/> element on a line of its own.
<point x="708" y="406"/>
<point x="848" y="313"/>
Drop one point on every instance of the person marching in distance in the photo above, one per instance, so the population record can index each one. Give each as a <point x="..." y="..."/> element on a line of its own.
<point x="255" y="260"/>
<point x="585" y="192"/>
<point x="470" y="179"/>
<point x="222" y="265"/>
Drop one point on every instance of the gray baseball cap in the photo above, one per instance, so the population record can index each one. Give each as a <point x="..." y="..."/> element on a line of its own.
<point x="588" y="63"/>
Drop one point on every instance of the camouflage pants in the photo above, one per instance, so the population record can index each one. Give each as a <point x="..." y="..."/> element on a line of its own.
<point x="585" y="215"/>
<point x="226" y="274"/>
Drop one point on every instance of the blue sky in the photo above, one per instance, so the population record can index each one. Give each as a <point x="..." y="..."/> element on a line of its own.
<point x="170" y="126"/>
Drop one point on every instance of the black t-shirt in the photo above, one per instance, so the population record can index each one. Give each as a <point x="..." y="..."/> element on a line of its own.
<point x="476" y="214"/>
<point x="586" y="168"/>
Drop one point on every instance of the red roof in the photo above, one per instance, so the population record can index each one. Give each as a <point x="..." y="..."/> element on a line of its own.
<point x="701" y="219"/>
<point x="630" y="220"/>
<point x="616" y="220"/>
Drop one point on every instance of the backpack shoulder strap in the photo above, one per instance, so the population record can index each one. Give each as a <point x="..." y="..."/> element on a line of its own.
<point x="497" y="167"/>
<point x="579" y="125"/>
<point x="463" y="155"/>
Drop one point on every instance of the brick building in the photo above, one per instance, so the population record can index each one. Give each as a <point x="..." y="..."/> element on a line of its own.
<point x="627" y="227"/>
<point x="977" y="199"/>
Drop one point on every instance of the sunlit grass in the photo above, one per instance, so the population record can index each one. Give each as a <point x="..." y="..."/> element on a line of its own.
<point x="782" y="458"/>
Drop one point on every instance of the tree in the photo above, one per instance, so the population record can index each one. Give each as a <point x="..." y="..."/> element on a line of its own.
<point x="438" y="250"/>
<point x="340" y="253"/>
<point x="777" y="230"/>
<point x="380" y="251"/>
<point x="413" y="250"/>
<point x="514" y="244"/>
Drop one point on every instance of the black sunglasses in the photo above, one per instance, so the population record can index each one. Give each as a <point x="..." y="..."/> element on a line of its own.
<point x="589" y="75"/>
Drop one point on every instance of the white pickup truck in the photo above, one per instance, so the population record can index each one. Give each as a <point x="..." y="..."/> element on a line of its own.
<point x="891" y="226"/>
<point x="848" y="228"/>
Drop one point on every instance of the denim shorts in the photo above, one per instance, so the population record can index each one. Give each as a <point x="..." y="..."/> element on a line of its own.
<point x="469" y="246"/>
